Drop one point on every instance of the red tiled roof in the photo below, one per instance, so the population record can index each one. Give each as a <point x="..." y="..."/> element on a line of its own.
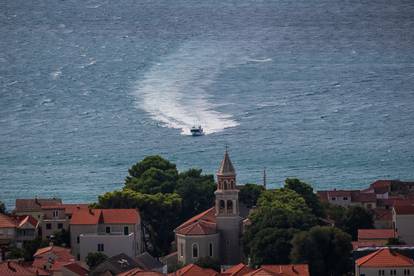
<point x="118" y="216"/>
<point x="404" y="209"/>
<point x="27" y="219"/>
<point x="77" y="269"/>
<point x="282" y="270"/>
<point x="372" y="234"/>
<point x="57" y="250"/>
<point x="237" y="270"/>
<point x="7" y="221"/>
<point x="201" y="224"/>
<point x="55" y="256"/>
<point x="199" y="227"/>
<point x="364" y="197"/>
<point x="194" y="270"/>
<point x="110" y="216"/>
<point x="86" y="217"/>
<point x="139" y="272"/>
<point x="15" y="269"/>
<point x="384" y="257"/>
<point x="35" y="204"/>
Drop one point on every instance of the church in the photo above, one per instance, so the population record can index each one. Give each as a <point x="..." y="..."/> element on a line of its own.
<point x="216" y="232"/>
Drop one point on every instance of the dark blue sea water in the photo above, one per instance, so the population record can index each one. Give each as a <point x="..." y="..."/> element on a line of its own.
<point x="322" y="90"/>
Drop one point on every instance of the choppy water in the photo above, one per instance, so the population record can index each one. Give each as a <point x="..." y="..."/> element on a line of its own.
<point x="318" y="89"/>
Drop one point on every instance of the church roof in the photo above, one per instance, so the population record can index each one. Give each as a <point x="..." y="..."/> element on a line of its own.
<point x="226" y="167"/>
<point x="201" y="224"/>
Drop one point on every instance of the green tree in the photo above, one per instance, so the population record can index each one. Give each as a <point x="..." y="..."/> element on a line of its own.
<point x="152" y="175"/>
<point x="30" y="248"/>
<point x="395" y="241"/>
<point x="357" y="217"/>
<point x="250" y="193"/>
<point x="61" y="238"/>
<point x="93" y="259"/>
<point x="2" y="208"/>
<point x="279" y="214"/>
<point x="306" y="191"/>
<point x="159" y="213"/>
<point x="208" y="262"/>
<point x="327" y="250"/>
<point x="271" y="246"/>
<point x="15" y="253"/>
<point x="196" y="191"/>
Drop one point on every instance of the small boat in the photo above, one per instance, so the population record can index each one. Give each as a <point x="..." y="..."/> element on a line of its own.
<point x="197" y="131"/>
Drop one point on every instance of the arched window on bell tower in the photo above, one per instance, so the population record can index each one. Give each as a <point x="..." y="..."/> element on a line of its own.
<point x="222" y="206"/>
<point x="229" y="207"/>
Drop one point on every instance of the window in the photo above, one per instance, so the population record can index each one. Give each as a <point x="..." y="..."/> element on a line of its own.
<point x="229" y="207"/>
<point x="333" y="198"/>
<point x="101" y="247"/>
<point x="406" y="271"/>
<point x="181" y="249"/>
<point x="77" y="239"/>
<point x="195" y="250"/>
<point x="60" y="225"/>
<point x="126" y="230"/>
<point x="48" y="226"/>
<point x="78" y="257"/>
<point x="221" y="206"/>
<point x="211" y="250"/>
<point x="55" y="213"/>
<point x="381" y="272"/>
<point x="345" y="198"/>
<point x="108" y="230"/>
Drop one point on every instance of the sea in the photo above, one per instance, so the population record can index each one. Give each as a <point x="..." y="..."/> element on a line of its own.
<point x="321" y="90"/>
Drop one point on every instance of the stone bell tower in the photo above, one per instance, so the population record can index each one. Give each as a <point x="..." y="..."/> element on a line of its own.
<point x="227" y="213"/>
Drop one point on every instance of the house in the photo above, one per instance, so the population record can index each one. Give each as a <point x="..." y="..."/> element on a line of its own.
<point x="237" y="270"/>
<point x="12" y="268"/>
<point x="57" y="217"/>
<point x="52" y="259"/>
<point x="403" y="222"/>
<point x="115" y="265"/>
<point x="110" y="231"/>
<point x="281" y="270"/>
<point x="377" y="236"/>
<point x="194" y="270"/>
<point x="215" y="232"/>
<point x="17" y="229"/>
<point x="33" y="207"/>
<point x="347" y="198"/>
<point x="384" y="262"/>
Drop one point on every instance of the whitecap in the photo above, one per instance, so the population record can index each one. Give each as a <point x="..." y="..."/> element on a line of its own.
<point x="260" y="60"/>
<point x="56" y="74"/>
<point x="174" y="91"/>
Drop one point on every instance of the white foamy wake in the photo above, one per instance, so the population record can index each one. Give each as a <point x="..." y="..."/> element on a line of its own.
<point x="175" y="91"/>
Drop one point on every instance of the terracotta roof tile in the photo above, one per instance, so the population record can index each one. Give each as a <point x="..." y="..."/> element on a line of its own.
<point x="194" y="270"/>
<point x="282" y="270"/>
<point x="110" y="216"/>
<point x="7" y="221"/>
<point x="35" y="204"/>
<point x="237" y="270"/>
<point x="15" y="269"/>
<point x="368" y="243"/>
<point x="199" y="227"/>
<point x="384" y="257"/>
<point x="115" y="216"/>
<point x="77" y="269"/>
<point x="139" y="272"/>
<point x="382" y="214"/>
<point x="372" y="234"/>
<point x="206" y="216"/>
